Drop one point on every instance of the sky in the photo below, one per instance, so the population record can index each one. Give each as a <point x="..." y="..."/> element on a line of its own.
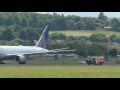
<point x="87" y="14"/>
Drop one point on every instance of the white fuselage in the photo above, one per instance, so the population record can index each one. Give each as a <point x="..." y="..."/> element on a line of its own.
<point x="21" y="50"/>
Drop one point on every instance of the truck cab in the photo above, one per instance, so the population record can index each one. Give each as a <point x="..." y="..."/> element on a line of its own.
<point x="95" y="60"/>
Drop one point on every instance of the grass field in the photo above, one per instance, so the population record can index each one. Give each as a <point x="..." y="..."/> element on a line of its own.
<point x="59" y="69"/>
<point x="85" y="32"/>
<point x="60" y="72"/>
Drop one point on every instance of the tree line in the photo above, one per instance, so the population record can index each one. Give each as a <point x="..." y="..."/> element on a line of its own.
<point x="29" y="25"/>
<point x="98" y="38"/>
<point x="22" y="28"/>
<point x="83" y="48"/>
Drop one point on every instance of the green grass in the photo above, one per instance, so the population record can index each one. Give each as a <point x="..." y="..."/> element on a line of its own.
<point x="60" y="72"/>
<point x="60" y="69"/>
<point x="85" y="32"/>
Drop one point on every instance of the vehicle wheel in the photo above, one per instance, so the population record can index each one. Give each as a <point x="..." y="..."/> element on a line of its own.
<point x="88" y="63"/>
<point x="22" y="62"/>
<point x="100" y="63"/>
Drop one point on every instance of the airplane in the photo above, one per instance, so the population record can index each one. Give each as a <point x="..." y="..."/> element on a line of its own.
<point x="23" y="53"/>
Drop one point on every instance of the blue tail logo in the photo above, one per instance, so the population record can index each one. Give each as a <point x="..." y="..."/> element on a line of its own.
<point x="43" y="39"/>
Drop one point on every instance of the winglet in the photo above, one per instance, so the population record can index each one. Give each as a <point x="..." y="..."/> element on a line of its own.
<point x="43" y="39"/>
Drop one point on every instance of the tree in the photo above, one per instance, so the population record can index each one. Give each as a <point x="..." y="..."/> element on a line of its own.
<point x="102" y="16"/>
<point x="83" y="37"/>
<point x="93" y="50"/>
<point x="62" y="36"/>
<point x="108" y="23"/>
<point x="29" y="33"/>
<point x="77" y="18"/>
<point x="58" y="36"/>
<point x="116" y="39"/>
<point x="34" y="20"/>
<point x="113" y="52"/>
<point x="115" y="24"/>
<point x="23" y="34"/>
<point x="99" y="38"/>
<point x="90" y="24"/>
<point x="55" y="36"/>
<point x="97" y="49"/>
<point x="112" y="37"/>
<point x="17" y="18"/>
<point x="21" y="42"/>
<point x="81" y="48"/>
<point x="71" y="25"/>
<point x="10" y="20"/>
<point x="7" y="34"/>
<point x="80" y="25"/>
<point x="2" y="19"/>
<point x="71" y="38"/>
<point x="24" y="22"/>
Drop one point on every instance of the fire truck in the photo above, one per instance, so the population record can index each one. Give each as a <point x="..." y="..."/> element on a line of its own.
<point x="95" y="60"/>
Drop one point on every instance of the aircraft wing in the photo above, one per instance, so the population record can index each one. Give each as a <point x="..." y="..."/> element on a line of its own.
<point x="49" y="51"/>
<point x="59" y="50"/>
<point x="67" y="50"/>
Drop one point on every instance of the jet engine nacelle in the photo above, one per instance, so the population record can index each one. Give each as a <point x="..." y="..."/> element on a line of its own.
<point x="20" y="59"/>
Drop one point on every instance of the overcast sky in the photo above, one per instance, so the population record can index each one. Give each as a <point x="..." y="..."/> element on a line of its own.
<point x="89" y="14"/>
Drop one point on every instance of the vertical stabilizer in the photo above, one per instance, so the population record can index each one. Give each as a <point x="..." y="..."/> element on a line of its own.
<point x="43" y="39"/>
